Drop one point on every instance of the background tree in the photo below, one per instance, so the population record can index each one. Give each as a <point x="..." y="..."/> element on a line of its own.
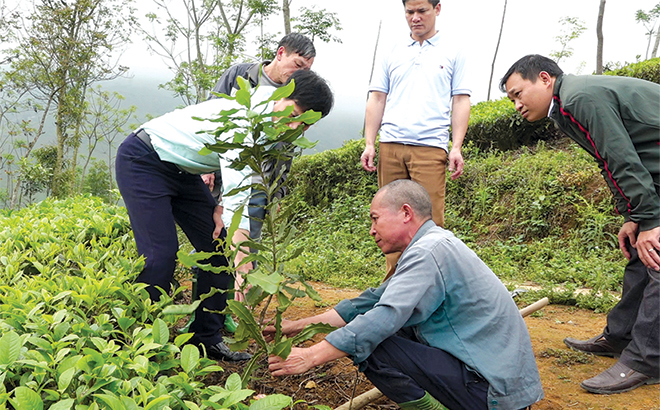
<point x="317" y="24"/>
<point x="286" y="14"/>
<point x="104" y="120"/>
<point x="572" y="29"/>
<point x="650" y="21"/>
<point x="202" y="43"/>
<point x="599" y="35"/>
<point x="63" y="48"/>
<point x="497" y="47"/>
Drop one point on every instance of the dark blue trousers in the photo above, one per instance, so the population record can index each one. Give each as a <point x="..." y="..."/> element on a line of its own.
<point x="634" y="323"/>
<point x="157" y="195"/>
<point x="403" y="369"/>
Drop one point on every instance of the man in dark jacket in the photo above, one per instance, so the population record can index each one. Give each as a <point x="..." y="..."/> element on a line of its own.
<point x="617" y="120"/>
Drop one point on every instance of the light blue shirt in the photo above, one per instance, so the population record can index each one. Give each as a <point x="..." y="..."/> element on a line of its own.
<point x="419" y="81"/>
<point x="452" y="301"/>
<point x="178" y="138"/>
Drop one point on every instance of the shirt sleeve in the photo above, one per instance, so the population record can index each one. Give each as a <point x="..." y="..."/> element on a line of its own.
<point x="461" y="78"/>
<point x="381" y="78"/>
<point x="409" y="298"/>
<point x="630" y="182"/>
<point x="233" y="179"/>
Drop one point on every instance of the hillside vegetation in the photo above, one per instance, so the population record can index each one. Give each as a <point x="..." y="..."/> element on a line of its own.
<point x="531" y="204"/>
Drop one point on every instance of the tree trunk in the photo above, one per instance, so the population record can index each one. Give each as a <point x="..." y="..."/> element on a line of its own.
<point x="599" y="34"/>
<point x="286" y="12"/>
<point x="497" y="47"/>
<point x="654" y="54"/>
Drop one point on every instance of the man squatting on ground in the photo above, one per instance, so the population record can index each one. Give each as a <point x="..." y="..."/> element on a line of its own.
<point x="617" y="120"/>
<point x="418" y="90"/>
<point x="442" y="329"/>
<point x="158" y="168"/>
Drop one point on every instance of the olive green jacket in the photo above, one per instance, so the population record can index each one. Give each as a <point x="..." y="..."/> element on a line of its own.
<point x="617" y="120"/>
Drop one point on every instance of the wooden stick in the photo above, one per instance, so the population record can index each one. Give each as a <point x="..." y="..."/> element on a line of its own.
<point x="362" y="400"/>
<point x="524" y="312"/>
<point x="375" y="394"/>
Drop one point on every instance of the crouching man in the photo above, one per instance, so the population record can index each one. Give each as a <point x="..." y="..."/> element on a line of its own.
<point x="442" y="329"/>
<point x="617" y="120"/>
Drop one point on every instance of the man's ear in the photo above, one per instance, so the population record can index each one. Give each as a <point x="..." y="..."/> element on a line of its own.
<point x="408" y="213"/>
<point x="280" y="52"/>
<point x="545" y="78"/>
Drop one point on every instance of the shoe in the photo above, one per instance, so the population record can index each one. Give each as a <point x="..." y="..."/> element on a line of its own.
<point x="617" y="379"/>
<point x="220" y="351"/>
<point x="597" y="345"/>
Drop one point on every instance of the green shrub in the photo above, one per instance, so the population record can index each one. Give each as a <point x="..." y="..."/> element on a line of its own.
<point x="646" y="70"/>
<point x="497" y="125"/>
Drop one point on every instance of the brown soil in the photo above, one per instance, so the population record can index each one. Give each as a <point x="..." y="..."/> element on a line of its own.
<point x="561" y="370"/>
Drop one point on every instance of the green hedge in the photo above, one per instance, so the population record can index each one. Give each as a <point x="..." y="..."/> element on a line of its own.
<point x="497" y="125"/>
<point x="646" y="70"/>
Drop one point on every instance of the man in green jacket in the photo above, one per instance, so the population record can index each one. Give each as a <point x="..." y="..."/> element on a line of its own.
<point x="617" y="120"/>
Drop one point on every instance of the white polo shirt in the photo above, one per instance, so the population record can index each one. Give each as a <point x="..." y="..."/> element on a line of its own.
<point x="419" y="81"/>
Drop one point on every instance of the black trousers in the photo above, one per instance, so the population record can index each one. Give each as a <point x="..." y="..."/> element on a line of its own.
<point x="634" y="323"/>
<point x="157" y="195"/>
<point x="403" y="369"/>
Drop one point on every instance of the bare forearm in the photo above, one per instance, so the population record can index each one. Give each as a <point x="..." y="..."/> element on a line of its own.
<point x="460" y="116"/>
<point x="374" y="116"/>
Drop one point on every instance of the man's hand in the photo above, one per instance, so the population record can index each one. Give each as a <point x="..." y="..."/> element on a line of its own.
<point x="290" y="328"/>
<point x="209" y="180"/>
<point x="217" y="218"/>
<point x="299" y="361"/>
<point x="367" y="158"/>
<point x="648" y="246"/>
<point x="456" y="163"/>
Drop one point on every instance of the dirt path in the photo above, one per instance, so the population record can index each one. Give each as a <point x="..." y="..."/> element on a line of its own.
<point x="561" y="370"/>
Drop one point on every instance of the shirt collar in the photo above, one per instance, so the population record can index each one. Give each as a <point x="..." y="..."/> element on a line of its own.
<point x="432" y="41"/>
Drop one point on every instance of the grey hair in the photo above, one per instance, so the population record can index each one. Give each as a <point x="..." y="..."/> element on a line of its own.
<point x="404" y="191"/>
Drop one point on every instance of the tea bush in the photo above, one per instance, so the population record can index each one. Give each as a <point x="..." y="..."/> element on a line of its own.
<point x="77" y="332"/>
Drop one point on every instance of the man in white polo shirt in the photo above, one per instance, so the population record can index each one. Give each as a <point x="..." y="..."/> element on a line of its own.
<point x="418" y="91"/>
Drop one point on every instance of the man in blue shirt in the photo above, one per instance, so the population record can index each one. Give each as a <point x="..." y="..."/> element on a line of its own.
<point x="442" y="329"/>
<point x="158" y="168"/>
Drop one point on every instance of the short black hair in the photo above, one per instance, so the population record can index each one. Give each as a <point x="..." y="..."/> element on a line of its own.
<point x="299" y="44"/>
<point x="311" y="92"/>
<point x="433" y="2"/>
<point x="529" y="68"/>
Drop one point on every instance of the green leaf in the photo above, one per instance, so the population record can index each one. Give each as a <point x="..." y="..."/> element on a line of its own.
<point x="111" y="401"/>
<point x="247" y="321"/>
<point x="312" y="330"/>
<point x="304" y="143"/>
<point x="205" y="151"/>
<point x="243" y="98"/>
<point x="160" y="332"/>
<point x="269" y="283"/>
<point x="283" y="92"/>
<point x="63" y="405"/>
<point x="65" y="379"/>
<point x="233" y="382"/>
<point x="182" y="339"/>
<point x="157" y="403"/>
<point x="272" y="402"/>
<point x="282" y="349"/>
<point x="181" y="309"/>
<point x="28" y="399"/>
<point x="10" y="348"/>
<point x="189" y="358"/>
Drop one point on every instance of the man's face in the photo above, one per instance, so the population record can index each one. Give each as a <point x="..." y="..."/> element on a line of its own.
<point x="532" y="99"/>
<point x="288" y="63"/>
<point x="421" y="15"/>
<point x="282" y="104"/>
<point x="387" y="227"/>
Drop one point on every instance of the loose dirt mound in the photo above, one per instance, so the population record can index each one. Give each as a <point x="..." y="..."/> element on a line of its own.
<point x="561" y="370"/>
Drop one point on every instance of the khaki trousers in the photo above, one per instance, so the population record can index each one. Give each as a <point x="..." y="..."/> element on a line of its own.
<point x="424" y="165"/>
